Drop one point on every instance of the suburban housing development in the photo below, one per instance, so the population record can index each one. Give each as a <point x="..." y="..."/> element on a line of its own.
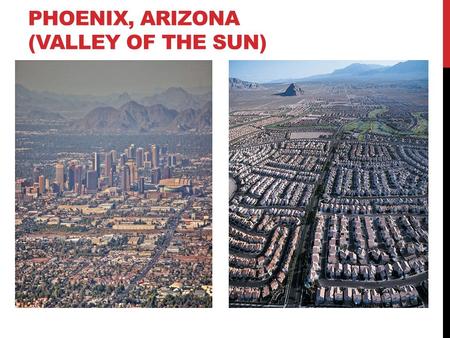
<point x="329" y="189"/>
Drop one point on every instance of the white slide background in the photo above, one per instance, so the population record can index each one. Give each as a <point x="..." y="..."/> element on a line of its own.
<point x="295" y="30"/>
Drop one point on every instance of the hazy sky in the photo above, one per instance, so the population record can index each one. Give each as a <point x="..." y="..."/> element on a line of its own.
<point x="264" y="71"/>
<point x="107" y="77"/>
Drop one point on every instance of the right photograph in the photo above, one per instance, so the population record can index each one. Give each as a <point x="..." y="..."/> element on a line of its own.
<point x="328" y="183"/>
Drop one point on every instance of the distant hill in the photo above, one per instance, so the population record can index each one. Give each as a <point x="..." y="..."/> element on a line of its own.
<point x="410" y="68"/>
<point x="66" y="105"/>
<point x="177" y="98"/>
<point x="356" y="69"/>
<point x="292" y="90"/>
<point x="43" y="115"/>
<point x="235" y="83"/>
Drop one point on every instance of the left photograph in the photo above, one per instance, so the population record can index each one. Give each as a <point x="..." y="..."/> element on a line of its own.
<point x="113" y="190"/>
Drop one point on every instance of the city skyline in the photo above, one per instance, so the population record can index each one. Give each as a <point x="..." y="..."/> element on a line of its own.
<point x="124" y="170"/>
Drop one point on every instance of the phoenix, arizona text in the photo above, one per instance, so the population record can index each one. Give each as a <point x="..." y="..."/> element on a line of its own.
<point x="139" y="41"/>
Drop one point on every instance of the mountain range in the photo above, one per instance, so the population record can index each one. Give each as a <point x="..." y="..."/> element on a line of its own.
<point x="174" y="109"/>
<point x="177" y="98"/>
<point x="133" y="116"/>
<point x="402" y="71"/>
<point x="72" y="106"/>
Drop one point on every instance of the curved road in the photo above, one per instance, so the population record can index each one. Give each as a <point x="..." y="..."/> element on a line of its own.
<point x="232" y="186"/>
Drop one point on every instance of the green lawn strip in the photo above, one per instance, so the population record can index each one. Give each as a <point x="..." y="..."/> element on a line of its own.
<point x="365" y="127"/>
<point x="374" y="113"/>
<point x="421" y="129"/>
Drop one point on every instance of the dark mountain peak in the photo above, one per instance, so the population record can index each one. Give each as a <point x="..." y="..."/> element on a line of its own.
<point x="98" y="118"/>
<point x="99" y="113"/>
<point x="292" y="90"/>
